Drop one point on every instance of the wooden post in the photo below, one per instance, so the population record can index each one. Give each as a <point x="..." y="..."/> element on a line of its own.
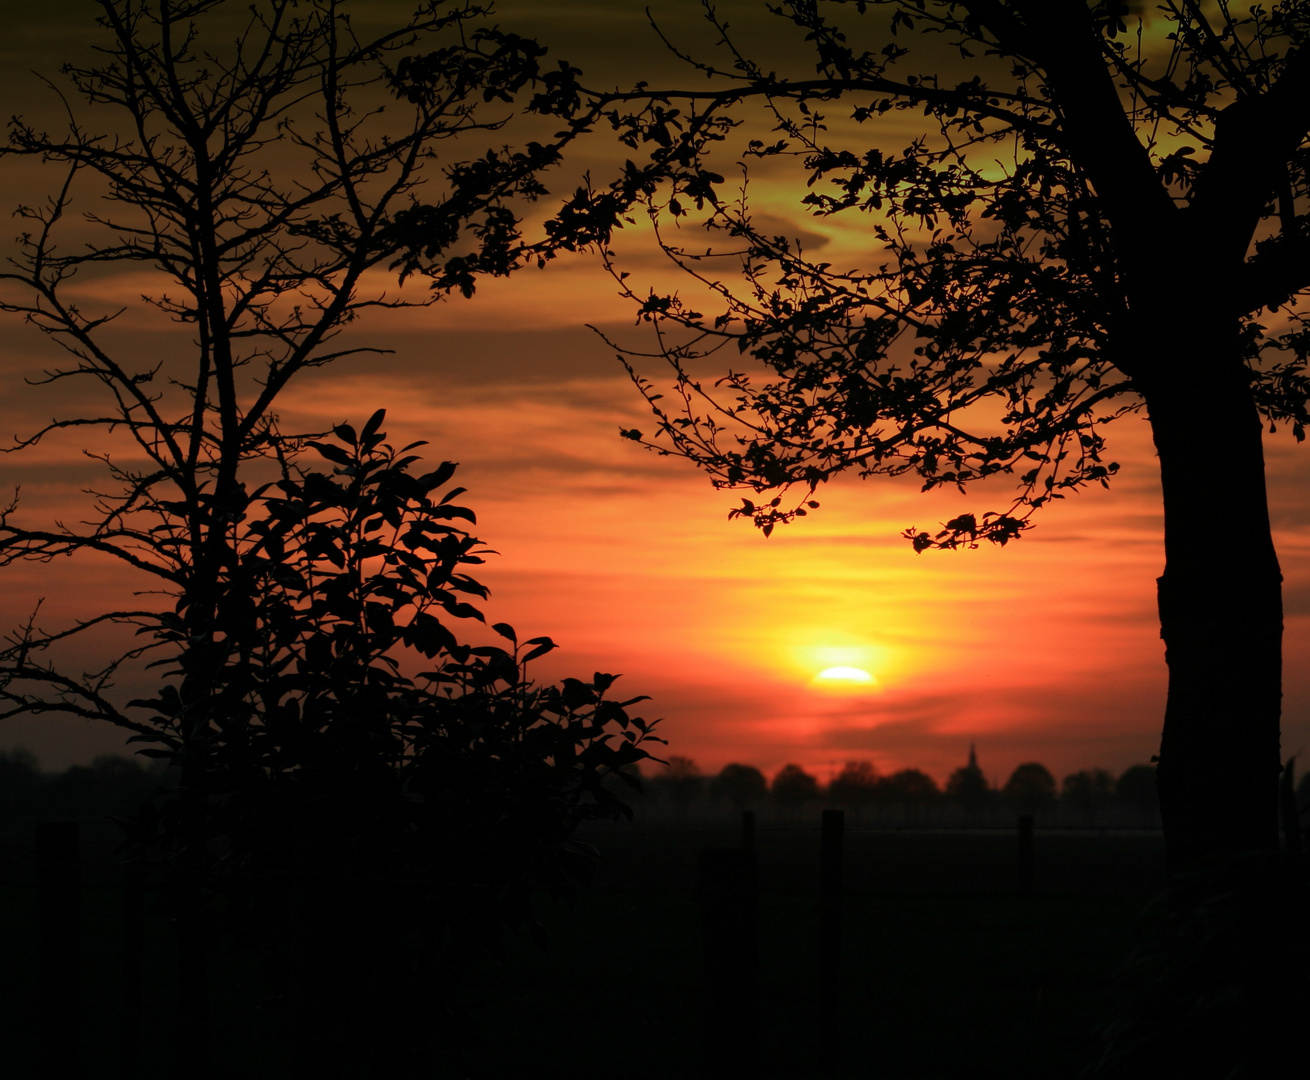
<point x="59" y="893"/>
<point x="748" y="829"/>
<point x="830" y="911"/>
<point x="730" y="927"/>
<point x="1025" y="853"/>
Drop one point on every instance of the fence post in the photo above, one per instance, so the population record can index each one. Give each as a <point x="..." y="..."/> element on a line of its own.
<point x="59" y="894"/>
<point x="730" y="927"/>
<point x="1025" y="853"/>
<point x="830" y="912"/>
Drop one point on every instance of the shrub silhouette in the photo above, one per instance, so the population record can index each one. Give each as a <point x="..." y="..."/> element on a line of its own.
<point x="389" y="798"/>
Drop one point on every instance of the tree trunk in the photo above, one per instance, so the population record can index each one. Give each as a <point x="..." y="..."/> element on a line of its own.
<point x="200" y="662"/>
<point x="1220" y="596"/>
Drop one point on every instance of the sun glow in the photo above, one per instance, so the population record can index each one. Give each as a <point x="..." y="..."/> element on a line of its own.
<point x="848" y="666"/>
<point x="844" y="676"/>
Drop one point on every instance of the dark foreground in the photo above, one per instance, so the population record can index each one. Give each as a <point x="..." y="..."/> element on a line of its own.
<point x="947" y="971"/>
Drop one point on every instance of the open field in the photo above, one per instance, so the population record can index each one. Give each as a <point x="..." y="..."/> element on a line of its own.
<point x="947" y="972"/>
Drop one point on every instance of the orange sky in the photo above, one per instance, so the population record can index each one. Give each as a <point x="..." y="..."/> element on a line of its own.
<point x="1045" y="650"/>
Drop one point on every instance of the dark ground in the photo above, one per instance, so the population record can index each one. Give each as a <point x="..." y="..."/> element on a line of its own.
<point x="947" y="971"/>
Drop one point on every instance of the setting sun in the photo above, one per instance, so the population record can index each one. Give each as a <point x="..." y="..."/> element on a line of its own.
<point x="844" y="676"/>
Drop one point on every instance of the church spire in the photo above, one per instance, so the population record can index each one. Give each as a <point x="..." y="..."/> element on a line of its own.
<point x="973" y="756"/>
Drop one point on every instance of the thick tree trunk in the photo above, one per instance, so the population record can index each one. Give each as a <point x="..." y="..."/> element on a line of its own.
<point x="1220" y="598"/>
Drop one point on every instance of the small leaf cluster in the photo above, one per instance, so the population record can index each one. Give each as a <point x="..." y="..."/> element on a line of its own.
<point x="1011" y="303"/>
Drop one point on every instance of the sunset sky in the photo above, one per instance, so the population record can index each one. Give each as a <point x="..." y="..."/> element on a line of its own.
<point x="1046" y="650"/>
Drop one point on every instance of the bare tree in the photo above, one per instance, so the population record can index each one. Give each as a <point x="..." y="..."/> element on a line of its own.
<point x="257" y="187"/>
<point x="254" y="163"/>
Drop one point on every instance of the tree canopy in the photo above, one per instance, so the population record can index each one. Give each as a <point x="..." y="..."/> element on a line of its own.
<point x="999" y="332"/>
<point x="1099" y="213"/>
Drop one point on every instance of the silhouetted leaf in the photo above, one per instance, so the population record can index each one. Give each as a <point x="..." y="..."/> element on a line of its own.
<point x="372" y="426"/>
<point x="541" y="650"/>
<point x="333" y="454"/>
<point x="442" y="473"/>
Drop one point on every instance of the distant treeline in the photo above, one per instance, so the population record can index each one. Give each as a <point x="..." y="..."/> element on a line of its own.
<point x="115" y="786"/>
<point x="1089" y="796"/>
<point x="111" y="786"/>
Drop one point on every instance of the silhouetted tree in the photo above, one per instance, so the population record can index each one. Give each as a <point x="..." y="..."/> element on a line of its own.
<point x="1136" y="787"/>
<point x="967" y="785"/>
<point x="855" y="786"/>
<point x="792" y="788"/>
<point x="909" y="786"/>
<point x="682" y="781"/>
<point x="1087" y="791"/>
<point x="255" y="163"/>
<point x="1031" y="788"/>
<point x="257" y="178"/>
<point x="1143" y="249"/>
<point x="742" y="785"/>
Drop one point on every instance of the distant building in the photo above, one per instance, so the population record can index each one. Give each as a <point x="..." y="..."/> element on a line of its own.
<point x="967" y="785"/>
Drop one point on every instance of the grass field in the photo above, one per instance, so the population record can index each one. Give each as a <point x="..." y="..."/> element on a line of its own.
<point x="947" y="971"/>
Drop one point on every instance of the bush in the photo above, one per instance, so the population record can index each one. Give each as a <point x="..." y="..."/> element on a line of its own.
<point x="388" y="797"/>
